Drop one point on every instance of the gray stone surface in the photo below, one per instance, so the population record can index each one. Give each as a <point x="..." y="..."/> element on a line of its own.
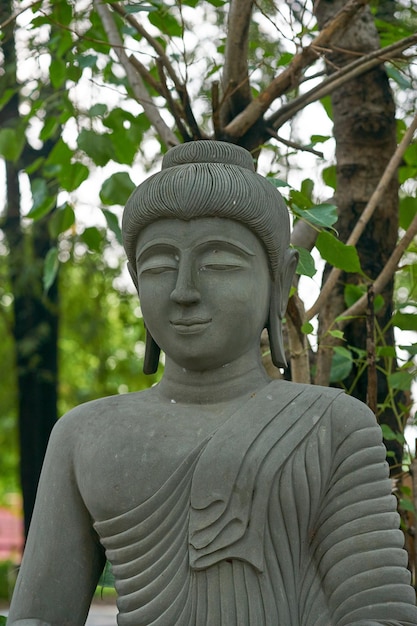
<point x="221" y="498"/>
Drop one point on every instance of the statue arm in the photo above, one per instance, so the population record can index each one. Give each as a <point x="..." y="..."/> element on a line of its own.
<point x="358" y="544"/>
<point x="63" y="558"/>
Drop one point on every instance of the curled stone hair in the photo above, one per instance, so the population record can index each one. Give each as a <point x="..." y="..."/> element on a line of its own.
<point x="215" y="179"/>
<point x="209" y="179"/>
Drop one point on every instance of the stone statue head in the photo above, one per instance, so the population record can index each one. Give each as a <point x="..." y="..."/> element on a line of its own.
<point x="204" y="179"/>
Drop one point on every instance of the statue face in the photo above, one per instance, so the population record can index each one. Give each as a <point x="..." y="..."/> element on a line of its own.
<point x="204" y="288"/>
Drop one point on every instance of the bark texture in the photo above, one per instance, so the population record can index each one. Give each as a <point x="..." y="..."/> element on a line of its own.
<point x="35" y="326"/>
<point x="365" y="133"/>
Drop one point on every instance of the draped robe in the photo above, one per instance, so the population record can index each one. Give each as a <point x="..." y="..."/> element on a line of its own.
<point x="282" y="517"/>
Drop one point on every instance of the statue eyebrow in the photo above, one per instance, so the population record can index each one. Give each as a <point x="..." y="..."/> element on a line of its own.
<point x="162" y="245"/>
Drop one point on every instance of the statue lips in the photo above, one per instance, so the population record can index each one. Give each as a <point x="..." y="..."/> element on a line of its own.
<point x="190" y="325"/>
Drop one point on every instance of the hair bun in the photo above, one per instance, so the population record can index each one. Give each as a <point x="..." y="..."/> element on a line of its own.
<point x="207" y="151"/>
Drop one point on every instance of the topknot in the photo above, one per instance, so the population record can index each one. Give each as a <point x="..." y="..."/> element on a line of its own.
<point x="208" y="152"/>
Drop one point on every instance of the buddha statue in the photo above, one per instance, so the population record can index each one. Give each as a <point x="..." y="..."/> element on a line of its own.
<point x="220" y="497"/>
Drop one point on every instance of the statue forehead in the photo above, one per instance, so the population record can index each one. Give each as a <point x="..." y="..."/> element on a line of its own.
<point x="192" y="232"/>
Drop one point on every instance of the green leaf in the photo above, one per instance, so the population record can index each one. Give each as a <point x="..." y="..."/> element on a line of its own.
<point x="390" y="435"/>
<point x="322" y="215"/>
<point x="341" y="366"/>
<point x="277" y="182"/>
<point x="411" y="349"/>
<point x="306" y="265"/>
<point x="386" y="352"/>
<point x="319" y="138"/>
<point x="50" y="268"/>
<point x="344" y="352"/>
<point x="60" y="154"/>
<point x="97" y="147"/>
<point x="408" y="209"/>
<point x="49" y="128"/>
<point x="166" y="23"/>
<point x="137" y="8"/>
<point x="405" y="321"/>
<point x="337" y="253"/>
<point x="353" y="293"/>
<point x="71" y="176"/>
<point x="307" y="187"/>
<point x="6" y="96"/>
<point x="117" y="189"/>
<point x="329" y="176"/>
<point x="327" y="106"/>
<point x="93" y="238"/>
<point x="3" y="620"/>
<point x="12" y="142"/>
<point x="399" y="78"/>
<point x="406" y="505"/>
<point x="97" y="110"/>
<point x="61" y="220"/>
<point x="86" y="60"/>
<point x="401" y="380"/>
<point x="43" y="203"/>
<point x="307" y="328"/>
<point x="113" y="224"/>
<point x="336" y="333"/>
<point x="57" y="72"/>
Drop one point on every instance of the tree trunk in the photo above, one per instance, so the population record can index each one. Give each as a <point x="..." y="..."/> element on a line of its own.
<point x="35" y="328"/>
<point x="365" y="134"/>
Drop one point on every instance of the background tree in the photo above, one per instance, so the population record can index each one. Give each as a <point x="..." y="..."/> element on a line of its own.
<point x="118" y="83"/>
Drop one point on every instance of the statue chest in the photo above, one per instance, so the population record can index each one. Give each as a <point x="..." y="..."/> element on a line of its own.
<point x="122" y="463"/>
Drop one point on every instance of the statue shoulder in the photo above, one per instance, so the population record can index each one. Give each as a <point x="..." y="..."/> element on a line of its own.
<point x="347" y="414"/>
<point x="101" y="415"/>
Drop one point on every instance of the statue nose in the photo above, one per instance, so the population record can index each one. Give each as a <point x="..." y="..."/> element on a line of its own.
<point x="186" y="291"/>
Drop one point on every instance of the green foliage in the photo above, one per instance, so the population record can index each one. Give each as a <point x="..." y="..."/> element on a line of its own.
<point x="102" y="333"/>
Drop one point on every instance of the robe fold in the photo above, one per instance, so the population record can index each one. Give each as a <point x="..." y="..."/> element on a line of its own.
<point x="278" y="518"/>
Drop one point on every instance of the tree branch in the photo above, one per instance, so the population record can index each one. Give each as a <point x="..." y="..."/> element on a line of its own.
<point x="173" y="106"/>
<point x="138" y="87"/>
<point x="339" y="78"/>
<point x="391" y="266"/>
<point x="291" y="75"/>
<point x="235" y="71"/>
<point x="299" y="354"/>
<point x="389" y="172"/>
<point x="293" y="144"/>
<point x="166" y="63"/>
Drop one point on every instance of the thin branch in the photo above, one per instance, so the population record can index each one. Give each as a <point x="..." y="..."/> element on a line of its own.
<point x="146" y="75"/>
<point x="138" y="86"/>
<point x="215" y="102"/>
<point x="366" y="215"/>
<point x="235" y="69"/>
<point x="290" y="76"/>
<point x="339" y="78"/>
<point x="299" y="354"/>
<point x="293" y="144"/>
<point x="163" y="58"/>
<point x="154" y="43"/>
<point x="173" y="106"/>
<point x="15" y="15"/>
<point x="359" y="307"/>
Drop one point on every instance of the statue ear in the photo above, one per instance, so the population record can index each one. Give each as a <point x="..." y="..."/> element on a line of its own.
<point x="133" y="275"/>
<point x="279" y="299"/>
<point x="152" y="350"/>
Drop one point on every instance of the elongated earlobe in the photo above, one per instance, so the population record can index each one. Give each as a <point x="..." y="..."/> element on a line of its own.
<point x="152" y="352"/>
<point x="278" y="305"/>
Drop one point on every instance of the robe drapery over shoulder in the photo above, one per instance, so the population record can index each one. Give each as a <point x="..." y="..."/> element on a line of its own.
<point x="282" y="517"/>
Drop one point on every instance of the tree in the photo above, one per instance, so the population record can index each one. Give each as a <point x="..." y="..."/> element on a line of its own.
<point x="247" y="76"/>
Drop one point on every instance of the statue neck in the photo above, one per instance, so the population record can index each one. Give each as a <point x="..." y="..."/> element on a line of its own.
<point x="229" y="382"/>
